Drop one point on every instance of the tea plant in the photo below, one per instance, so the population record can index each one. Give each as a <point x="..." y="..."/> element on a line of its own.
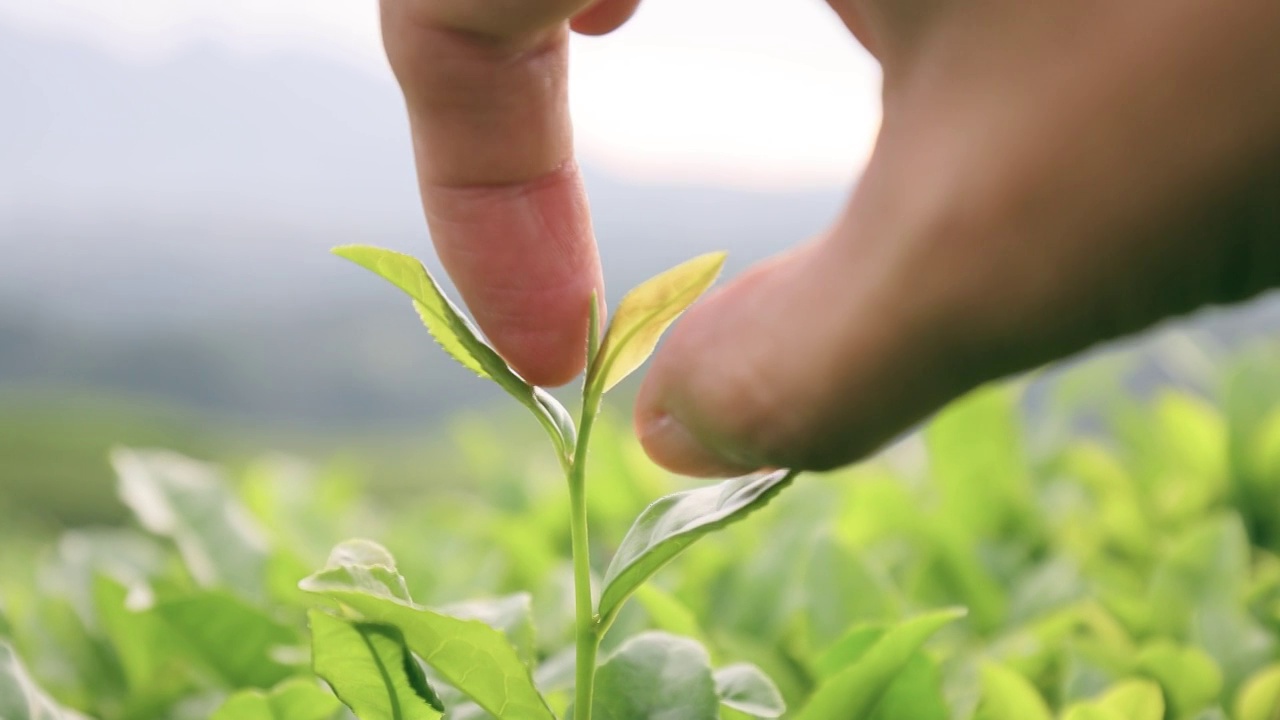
<point x="472" y="657"/>
<point x="1117" y="554"/>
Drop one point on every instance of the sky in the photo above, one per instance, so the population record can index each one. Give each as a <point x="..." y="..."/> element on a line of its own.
<point x="754" y="93"/>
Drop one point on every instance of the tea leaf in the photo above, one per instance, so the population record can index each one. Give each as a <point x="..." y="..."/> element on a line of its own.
<point x="192" y="503"/>
<point x="291" y="700"/>
<point x="1259" y="699"/>
<point x="1092" y="712"/>
<point x="671" y="524"/>
<point x="513" y="615"/>
<point x="145" y="645"/>
<point x="460" y="338"/>
<point x="654" y="675"/>
<point x="371" y="670"/>
<point x="1189" y="675"/>
<point x="1135" y="700"/>
<point x="644" y="314"/>
<point x="856" y="691"/>
<point x="745" y="688"/>
<point x="234" y="639"/>
<point x="21" y="698"/>
<point x="915" y="693"/>
<point x="443" y="319"/>
<point x="475" y="658"/>
<point x="1007" y="695"/>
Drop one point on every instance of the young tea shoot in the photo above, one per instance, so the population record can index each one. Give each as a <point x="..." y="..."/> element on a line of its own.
<point x="372" y="607"/>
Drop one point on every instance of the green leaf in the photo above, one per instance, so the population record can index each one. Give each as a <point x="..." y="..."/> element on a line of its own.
<point x="856" y="691"/>
<point x="192" y="503"/>
<point x="360" y="565"/>
<point x="468" y="654"/>
<point x="745" y="688"/>
<point x="1092" y="712"/>
<point x="21" y="698"/>
<point x="915" y="692"/>
<point x="847" y="650"/>
<point x="1135" y="700"/>
<point x="1007" y="695"/>
<point x="291" y="700"/>
<point x="671" y="524"/>
<point x="644" y="314"/>
<point x="1259" y="698"/>
<point x="234" y="639"/>
<point x="978" y="463"/>
<point x="461" y="339"/>
<point x="513" y="615"/>
<point x="148" y="651"/>
<point x="656" y="676"/>
<point x="1190" y="677"/>
<point x="371" y="670"/>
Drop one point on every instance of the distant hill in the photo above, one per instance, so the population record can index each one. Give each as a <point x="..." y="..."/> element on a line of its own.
<point x="215" y="181"/>
<point x="165" y="229"/>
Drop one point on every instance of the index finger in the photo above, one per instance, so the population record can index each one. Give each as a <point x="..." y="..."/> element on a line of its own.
<point x="504" y="200"/>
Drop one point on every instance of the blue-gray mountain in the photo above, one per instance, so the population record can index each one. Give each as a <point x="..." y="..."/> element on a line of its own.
<point x="165" y="228"/>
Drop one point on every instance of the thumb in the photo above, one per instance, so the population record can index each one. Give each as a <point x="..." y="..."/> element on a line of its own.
<point x="809" y="360"/>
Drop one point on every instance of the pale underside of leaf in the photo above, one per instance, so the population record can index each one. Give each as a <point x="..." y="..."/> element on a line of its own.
<point x="21" y="698"/>
<point x="655" y="675"/>
<point x="746" y="688"/>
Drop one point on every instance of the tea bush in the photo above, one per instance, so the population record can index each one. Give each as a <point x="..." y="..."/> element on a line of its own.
<point x="1065" y="549"/>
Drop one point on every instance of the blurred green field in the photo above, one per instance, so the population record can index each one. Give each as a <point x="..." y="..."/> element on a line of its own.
<point x="1118" y="554"/>
<point x="54" y="443"/>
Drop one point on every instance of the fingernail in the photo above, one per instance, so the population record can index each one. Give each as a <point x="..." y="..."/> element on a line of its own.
<point x="672" y="446"/>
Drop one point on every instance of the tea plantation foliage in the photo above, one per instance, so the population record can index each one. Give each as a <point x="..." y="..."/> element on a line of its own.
<point x="1115" y="557"/>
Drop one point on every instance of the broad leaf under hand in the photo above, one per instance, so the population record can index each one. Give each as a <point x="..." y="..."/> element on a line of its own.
<point x="655" y="675"/>
<point x="671" y="524"/>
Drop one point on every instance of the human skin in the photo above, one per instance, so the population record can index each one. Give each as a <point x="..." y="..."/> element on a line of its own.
<point x="1047" y="176"/>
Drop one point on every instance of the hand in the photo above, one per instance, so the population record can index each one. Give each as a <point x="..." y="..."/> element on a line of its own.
<point x="1047" y="176"/>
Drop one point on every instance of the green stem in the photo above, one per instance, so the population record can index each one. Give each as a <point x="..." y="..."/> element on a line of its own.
<point x="588" y="637"/>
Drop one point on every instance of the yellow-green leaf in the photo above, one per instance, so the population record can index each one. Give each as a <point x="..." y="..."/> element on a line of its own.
<point x="1135" y="700"/>
<point x="1007" y="695"/>
<point x="645" y="313"/>
<point x="856" y="691"/>
<point x="1259" y="699"/>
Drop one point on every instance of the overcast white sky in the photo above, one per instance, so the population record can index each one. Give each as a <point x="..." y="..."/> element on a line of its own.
<point x="770" y="93"/>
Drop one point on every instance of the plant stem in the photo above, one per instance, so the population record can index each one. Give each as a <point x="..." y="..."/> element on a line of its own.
<point x="588" y="638"/>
